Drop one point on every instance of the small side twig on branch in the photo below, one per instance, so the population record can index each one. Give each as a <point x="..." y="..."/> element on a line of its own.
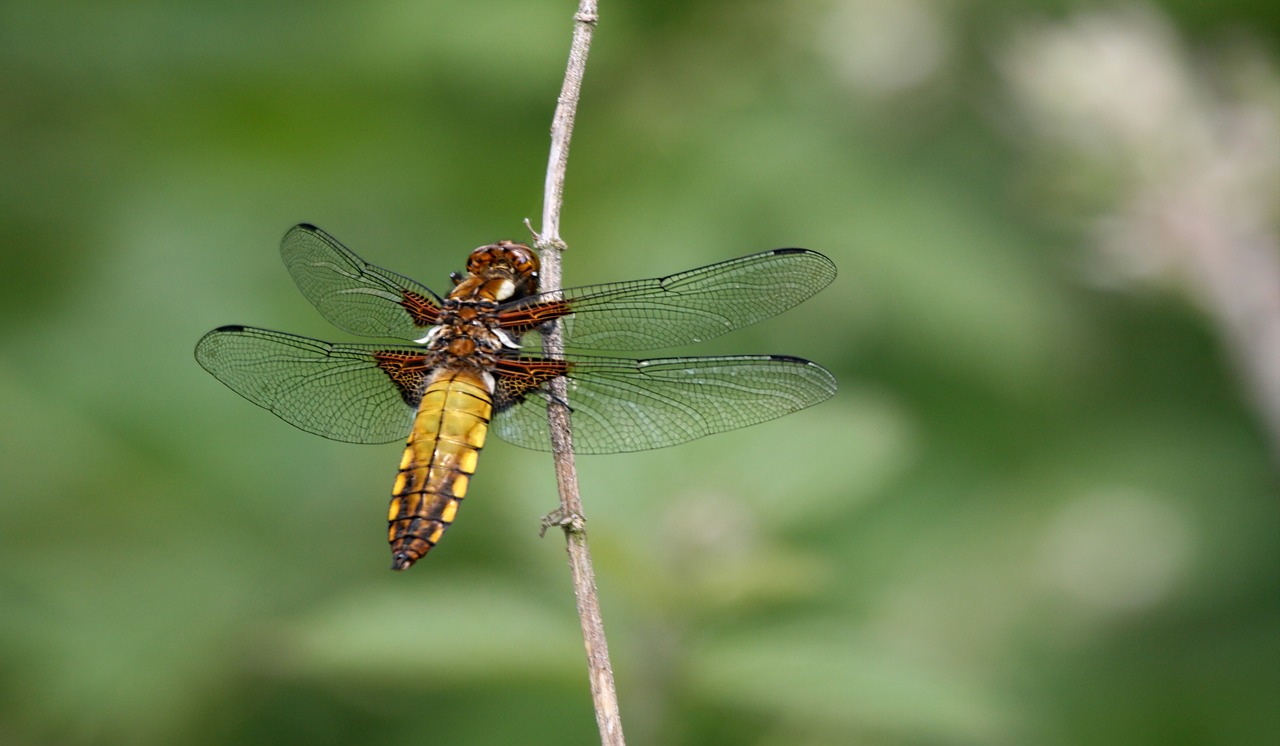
<point x="569" y="516"/>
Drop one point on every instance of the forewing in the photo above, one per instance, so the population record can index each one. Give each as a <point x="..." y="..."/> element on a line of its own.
<point x="352" y="294"/>
<point x="680" y="309"/>
<point x="352" y="393"/>
<point x="622" y="405"/>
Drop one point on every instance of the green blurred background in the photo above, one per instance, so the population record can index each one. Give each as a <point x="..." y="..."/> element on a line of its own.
<point x="1044" y="507"/>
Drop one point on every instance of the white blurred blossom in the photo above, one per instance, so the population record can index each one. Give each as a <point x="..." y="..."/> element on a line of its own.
<point x="1117" y="551"/>
<point x="1191" y="152"/>
<point x="884" y="46"/>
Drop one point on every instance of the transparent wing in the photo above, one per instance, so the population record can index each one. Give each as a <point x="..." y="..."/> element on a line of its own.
<point x="680" y="309"/>
<point x="633" y="405"/>
<point x="352" y="294"/>
<point x="343" y="392"/>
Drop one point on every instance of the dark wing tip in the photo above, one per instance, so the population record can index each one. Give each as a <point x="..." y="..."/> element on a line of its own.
<point x="816" y="256"/>
<point x="202" y="348"/>
<point x="206" y="346"/>
<point x="796" y="250"/>
<point x="300" y="228"/>
<point x="816" y="369"/>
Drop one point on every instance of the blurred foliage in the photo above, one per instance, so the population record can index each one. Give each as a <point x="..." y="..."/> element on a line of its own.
<point x="1043" y="507"/>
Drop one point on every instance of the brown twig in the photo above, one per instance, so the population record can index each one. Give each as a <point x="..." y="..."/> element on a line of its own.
<point x="569" y="516"/>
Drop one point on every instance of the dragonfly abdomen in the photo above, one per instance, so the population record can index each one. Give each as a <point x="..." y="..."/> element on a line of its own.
<point x="439" y="459"/>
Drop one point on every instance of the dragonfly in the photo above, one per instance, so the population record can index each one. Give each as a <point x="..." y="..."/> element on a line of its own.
<point x="471" y="361"/>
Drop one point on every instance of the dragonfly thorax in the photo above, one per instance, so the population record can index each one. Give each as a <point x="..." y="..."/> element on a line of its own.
<point x="468" y="335"/>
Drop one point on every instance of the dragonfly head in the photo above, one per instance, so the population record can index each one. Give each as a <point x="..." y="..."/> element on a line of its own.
<point x="514" y="266"/>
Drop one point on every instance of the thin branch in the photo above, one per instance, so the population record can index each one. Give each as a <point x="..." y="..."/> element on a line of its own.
<point x="570" y="516"/>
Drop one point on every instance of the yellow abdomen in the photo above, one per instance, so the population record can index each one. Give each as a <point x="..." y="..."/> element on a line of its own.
<point x="439" y="459"/>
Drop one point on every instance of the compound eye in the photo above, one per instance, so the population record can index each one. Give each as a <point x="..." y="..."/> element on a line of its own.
<point x="480" y="260"/>
<point x="523" y="258"/>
